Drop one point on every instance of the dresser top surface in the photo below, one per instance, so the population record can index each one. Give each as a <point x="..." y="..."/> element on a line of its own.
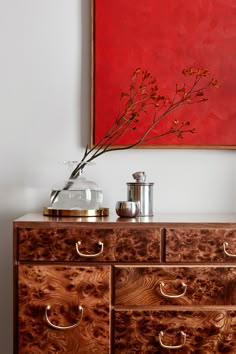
<point x="113" y="219"/>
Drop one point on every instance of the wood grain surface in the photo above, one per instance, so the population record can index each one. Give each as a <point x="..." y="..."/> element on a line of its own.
<point x="119" y="244"/>
<point x="207" y="332"/>
<point x="64" y="289"/>
<point x="199" y="245"/>
<point x="138" y="245"/>
<point x="56" y="244"/>
<point x="137" y="286"/>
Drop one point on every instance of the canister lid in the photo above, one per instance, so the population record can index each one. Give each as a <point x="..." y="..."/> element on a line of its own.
<point x="140" y="178"/>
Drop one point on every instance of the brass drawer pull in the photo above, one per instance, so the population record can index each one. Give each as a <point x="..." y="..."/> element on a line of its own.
<point x="161" y="334"/>
<point x="172" y="296"/>
<point x="89" y="255"/>
<point x="47" y="308"/>
<point x="225" y="244"/>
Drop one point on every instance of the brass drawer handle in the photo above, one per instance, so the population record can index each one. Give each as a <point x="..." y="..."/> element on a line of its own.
<point x="89" y="255"/>
<point x="47" y="308"/>
<point x="225" y="244"/>
<point x="172" y="296"/>
<point x="161" y="334"/>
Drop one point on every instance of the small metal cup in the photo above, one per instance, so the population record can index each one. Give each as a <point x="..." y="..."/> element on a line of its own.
<point x="127" y="209"/>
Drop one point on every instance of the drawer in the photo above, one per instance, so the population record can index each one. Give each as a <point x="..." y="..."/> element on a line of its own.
<point x="185" y="332"/>
<point x="187" y="286"/>
<point x="126" y="245"/>
<point x="64" y="327"/>
<point x="62" y="244"/>
<point x="138" y="245"/>
<point x="200" y="245"/>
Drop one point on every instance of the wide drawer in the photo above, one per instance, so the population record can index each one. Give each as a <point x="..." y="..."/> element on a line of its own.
<point x="185" y="332"/>
<point x="63" y="309"/>
<point x="187" y="286"/>
<point x="89" y="244"/>
<point x="200" y="245"/>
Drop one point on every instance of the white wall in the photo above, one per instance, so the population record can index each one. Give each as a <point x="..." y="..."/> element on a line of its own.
<point x="44" y="112"/>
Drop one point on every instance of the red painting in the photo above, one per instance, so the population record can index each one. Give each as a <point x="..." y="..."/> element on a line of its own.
<point x="164" y="37"/>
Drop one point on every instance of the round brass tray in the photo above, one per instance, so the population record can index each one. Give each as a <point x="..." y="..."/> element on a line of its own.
<point x="67" y="212"/>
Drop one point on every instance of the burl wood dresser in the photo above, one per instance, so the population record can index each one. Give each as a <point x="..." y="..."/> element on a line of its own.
<point x="165" y="284"/>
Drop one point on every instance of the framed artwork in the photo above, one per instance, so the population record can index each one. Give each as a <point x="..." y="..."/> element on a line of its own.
<point x="163" y="37"/>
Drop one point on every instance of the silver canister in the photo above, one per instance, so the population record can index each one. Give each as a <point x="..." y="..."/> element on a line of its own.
<point x="141" y="191"/>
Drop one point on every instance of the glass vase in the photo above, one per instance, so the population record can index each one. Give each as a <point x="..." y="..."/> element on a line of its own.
<point x="76" y="194"/>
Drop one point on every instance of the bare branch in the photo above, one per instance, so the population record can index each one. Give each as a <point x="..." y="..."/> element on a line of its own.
<point x="142" y="101"/>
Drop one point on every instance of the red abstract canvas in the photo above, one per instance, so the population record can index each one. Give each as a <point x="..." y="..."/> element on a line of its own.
<point x="164" y="37"/>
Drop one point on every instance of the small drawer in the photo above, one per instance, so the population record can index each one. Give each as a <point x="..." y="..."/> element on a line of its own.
<point x="171" y="332"/>
<point x="200" y="245"/>
<point x="83" y="244"/>
<point x="75" y="244"/>
<point x="160" y="286"/>
<point x="138" y="245"/>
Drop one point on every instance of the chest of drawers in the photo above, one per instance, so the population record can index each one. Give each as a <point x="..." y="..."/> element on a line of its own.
<point x="164" y="284"/>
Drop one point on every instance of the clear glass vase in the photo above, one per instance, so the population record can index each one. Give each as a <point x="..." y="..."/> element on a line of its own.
<point x="76" y="194"/>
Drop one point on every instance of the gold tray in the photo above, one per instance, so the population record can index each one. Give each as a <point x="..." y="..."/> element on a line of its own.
<point x="67" y="212"/>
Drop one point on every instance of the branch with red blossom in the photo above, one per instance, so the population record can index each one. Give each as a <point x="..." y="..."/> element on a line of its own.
<point x="143" y="99"/>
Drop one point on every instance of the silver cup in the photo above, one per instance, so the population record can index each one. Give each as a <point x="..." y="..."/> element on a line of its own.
<point x="127" y="209"/>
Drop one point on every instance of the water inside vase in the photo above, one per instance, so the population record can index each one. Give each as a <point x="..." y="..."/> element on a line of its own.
<point x="76" y="194"/>
<point x="77" y="199"/>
